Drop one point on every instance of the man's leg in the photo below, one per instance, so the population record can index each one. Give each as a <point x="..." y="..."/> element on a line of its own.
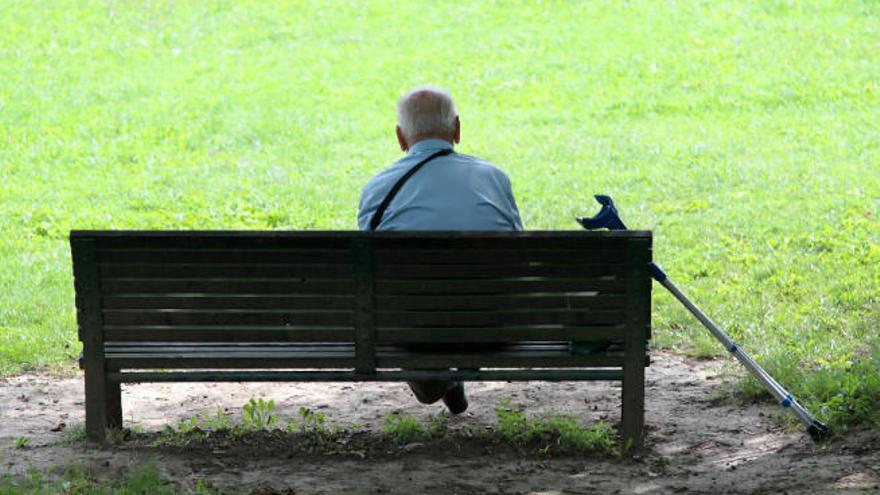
<point x="430" y="391"/>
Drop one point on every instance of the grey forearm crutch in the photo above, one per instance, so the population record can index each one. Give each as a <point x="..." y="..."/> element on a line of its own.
<point x="609" y="218"/>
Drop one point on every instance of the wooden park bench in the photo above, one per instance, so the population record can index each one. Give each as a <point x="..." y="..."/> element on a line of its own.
<point x="356" y="306"/>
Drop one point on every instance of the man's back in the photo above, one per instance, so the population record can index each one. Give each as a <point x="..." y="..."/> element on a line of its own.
<point x="452" y="192"/>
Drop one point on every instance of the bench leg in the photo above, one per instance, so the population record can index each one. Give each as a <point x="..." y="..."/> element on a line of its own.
<point x="96" y="403"/>
<point x="113" y="409"/>
<point x="633" y="405"/>
<point x="103" y="403"/>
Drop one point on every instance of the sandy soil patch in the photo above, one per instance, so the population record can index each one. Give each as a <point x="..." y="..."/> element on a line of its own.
<point x="699" y="441"/>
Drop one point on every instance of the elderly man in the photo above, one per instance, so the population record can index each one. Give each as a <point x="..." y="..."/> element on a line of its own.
<point x="434" y="188"/>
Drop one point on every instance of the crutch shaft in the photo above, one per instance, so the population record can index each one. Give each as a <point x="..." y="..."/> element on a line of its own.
<point x="777" y="390"/>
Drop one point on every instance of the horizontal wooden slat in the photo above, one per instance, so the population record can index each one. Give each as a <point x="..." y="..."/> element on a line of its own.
<point x="489" y="301"/>
<point x="465" y="257"/>
<point x="344" y="287"/>
<point x="575" y="240"/>
<point x="228" y="318"/>
<point x="458" y="286"/>
<point x="413" y="302"/>
<point x="217" y="240"/>
<point x="521" y="270"/>
<point x="579" y="374"/>
<point x="497" y="318"/>
<point x="321" y="360"/>
<point x="296" y="235"/>
<point x="205" y="256"/>
<point x="305" y="360"/>
<point x="224" y="271"/>
<point x="499" y="334"/>
<point x="322" y="355"/>
<point x="281" y="302"/>
<point x="519" y="360"/>
<point x="193" y="333"/>
<point x="195" y="286"/>
<point x="209" y="348"/>
<point x="168" y="346"/>
<point x="171" y="356"/>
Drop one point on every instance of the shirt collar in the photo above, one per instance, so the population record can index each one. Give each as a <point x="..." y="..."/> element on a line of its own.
<point x="429" y="145"/>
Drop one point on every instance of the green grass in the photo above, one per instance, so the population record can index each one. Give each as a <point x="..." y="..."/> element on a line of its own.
<point x="404" y="428"/>
<point x="556" y="431"/>
<point x="744" y="134"/>
<point x="80" y="481"/>
<point x="258" y="415"/>
<point x="552" y="433"/>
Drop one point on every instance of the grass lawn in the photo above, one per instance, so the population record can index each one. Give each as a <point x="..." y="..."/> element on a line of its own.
<point x="746" y="135"/>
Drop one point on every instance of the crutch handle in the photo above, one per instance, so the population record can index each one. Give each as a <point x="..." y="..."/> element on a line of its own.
<point x="608" y="218"/>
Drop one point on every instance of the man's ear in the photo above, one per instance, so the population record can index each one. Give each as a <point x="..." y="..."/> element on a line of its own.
<point x="456" y="136"/>
<point x="401" y="139"/>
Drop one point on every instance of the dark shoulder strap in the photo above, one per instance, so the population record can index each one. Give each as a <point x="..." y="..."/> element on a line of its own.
<point x="377" y="217"/>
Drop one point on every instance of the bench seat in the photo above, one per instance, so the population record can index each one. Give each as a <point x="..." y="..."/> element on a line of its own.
<point x="318" y="355"/>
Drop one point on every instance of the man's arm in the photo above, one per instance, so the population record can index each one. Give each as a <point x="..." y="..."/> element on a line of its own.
<point x="365" y="212"/>
<point x="516" y="221"/>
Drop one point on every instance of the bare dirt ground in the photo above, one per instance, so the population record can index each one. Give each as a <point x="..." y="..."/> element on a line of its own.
<point x="700" y="441"/>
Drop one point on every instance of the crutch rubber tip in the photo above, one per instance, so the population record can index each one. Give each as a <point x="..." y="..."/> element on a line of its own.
<point x="818" y="431"/>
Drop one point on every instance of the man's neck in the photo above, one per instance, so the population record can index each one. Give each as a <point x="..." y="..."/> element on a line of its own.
<point x="428" y="144"/>
<point x="426" y="137"/>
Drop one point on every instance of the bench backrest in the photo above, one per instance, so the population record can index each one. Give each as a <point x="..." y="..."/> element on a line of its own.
<point x="363" y="288"/>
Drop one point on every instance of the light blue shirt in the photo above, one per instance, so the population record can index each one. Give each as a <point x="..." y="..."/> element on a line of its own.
<point x="452" y="192"/>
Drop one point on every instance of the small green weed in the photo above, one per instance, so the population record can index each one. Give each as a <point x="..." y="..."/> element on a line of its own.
<point x="169" y="436"/>
<point x="258" y="414"/>
<point x="512" y="423"/>
<point x="21" y="442"/>
<point x="404" y="429"/>
<point x="315" y="426"/>
<point x="570" y="434"/>
<point x="188" y="425"/>
<point x="205" y="487"/>
<point x="74" y="435"/>
<point x="557" y="431"/>
<point x="195" y="428"/>
<point x="438" y="427"/>
<point x="219" y="422"/>
<point x="117" y="435"/>
<point x="187" y="430"/>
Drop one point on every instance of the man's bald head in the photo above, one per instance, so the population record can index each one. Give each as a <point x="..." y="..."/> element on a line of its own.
<point x="427" y="112"/>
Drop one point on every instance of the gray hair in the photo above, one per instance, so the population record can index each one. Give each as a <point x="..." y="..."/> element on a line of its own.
<point x="426" y="110"/>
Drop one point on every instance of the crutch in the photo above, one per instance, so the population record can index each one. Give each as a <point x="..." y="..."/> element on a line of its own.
<point x="609" y="218"/>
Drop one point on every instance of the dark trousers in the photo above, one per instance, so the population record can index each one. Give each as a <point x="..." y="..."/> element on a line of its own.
<point x="430" y="391"/>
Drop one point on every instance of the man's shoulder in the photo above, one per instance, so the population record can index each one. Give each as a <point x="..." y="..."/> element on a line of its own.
<point x="391" y="172"/>
<point x="384" y="180"/>
<point x="484" y="165"/>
